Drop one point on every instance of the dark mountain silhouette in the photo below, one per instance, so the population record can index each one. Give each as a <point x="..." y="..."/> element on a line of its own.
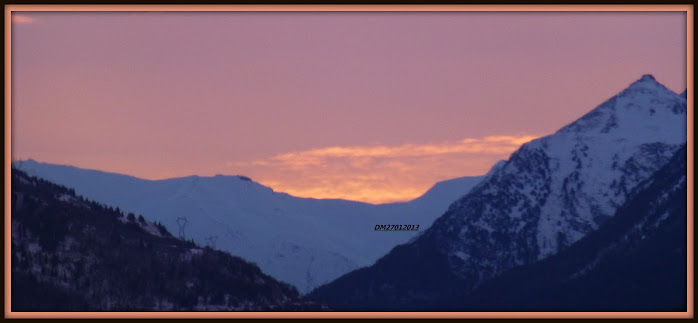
<point x="71" y="254"/>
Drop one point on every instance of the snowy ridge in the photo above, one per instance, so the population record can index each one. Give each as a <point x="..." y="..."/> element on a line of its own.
<point x="305" y="242"/>
<point x="556" y="189"/>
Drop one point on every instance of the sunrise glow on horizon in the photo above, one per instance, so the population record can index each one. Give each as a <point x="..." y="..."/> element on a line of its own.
<point x="367" y="106"/>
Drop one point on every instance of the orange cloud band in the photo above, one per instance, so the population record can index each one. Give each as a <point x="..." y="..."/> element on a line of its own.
<point x="378" y="174"/>
<point x="490" y="144"/>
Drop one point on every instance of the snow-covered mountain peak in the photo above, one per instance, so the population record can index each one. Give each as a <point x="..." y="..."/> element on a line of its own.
<point x="555" y="189"/>
<point x="647" y="84"/>
<point x="646" y="81"/>
<point x="645" y="104"/>
<point x="647" y="77"/>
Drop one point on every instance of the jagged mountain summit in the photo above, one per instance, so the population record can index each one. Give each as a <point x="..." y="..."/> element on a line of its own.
<point x="549" y="194"/>
<point x="72" y="254"/>
<point x="304" y="242"/>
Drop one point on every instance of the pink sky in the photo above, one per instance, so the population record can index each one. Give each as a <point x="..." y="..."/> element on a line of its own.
<point x="370" y="106"/>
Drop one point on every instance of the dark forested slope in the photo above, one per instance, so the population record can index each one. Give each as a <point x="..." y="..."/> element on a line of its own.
<point x="71" y="254"/>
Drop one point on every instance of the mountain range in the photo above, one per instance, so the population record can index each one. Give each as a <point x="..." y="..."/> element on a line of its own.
<point x="589" y="218"/>
<point x="551" y="193"/>
<point x="301" y="241"/>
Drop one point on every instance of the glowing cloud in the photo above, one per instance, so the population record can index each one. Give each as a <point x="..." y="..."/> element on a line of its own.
<point x="377" y="174"/>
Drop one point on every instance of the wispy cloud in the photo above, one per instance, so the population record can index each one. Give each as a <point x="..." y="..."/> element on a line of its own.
<point x="22" y="19"/>
<point x="379" y="173"/>
<point x="487" y="145"/>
